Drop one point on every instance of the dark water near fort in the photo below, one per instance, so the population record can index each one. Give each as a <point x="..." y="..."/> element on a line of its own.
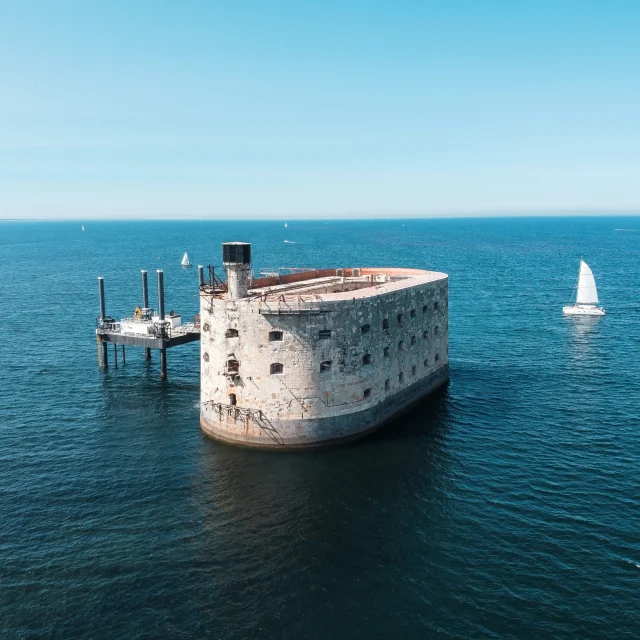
<point x="506" y="507"/>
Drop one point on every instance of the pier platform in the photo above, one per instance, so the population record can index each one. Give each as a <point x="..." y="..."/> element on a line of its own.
<point x="147" y="328"/>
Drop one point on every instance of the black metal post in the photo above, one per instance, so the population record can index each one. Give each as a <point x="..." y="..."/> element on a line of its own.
<point x="163" y="351"/>
<point x="161" y="294"/>
<point x="124" y="361"/>
<point x="103" y="358"/>
<point x="145" y="290"/>
<point x="163" y="364"/>
<point x="145" y="305"/>
<point x="200" y="274"/>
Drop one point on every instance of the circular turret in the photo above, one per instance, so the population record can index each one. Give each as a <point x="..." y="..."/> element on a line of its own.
<point x="236" y="258"/>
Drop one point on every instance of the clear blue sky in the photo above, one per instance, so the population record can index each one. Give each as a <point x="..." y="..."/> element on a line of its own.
<point x="298" y="109"/>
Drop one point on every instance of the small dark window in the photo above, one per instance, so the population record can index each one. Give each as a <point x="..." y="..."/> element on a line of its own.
<point x="205" y="326"/>
<point x="400" y="345"/>
<point x="425" y="335"/>
<point x="275" y="336"/>
<point x="400" y="316"/>
<point x="232" y="399"/>
<point x="205" y="356"/>
<point x="413" y="370"/>
<point x="387" y="353"/>
<point x="276" y="367"/>
<point x="435" y="331"/>
<point x="385" y="323"/>
<point x="437" y="357"/>
<point x="426" y="363"/>
<point x="231" y="333"/>
<point x="325" y="366"/>
<point x="233" y="366"/>
<point x="367" y="393"/>
<point x="325" y="334"/>
<point x="424" y="309"/>
<point x="401" y="377"/>
<point x="413" y="339"/>
<point x="387" y="384"/>
<point x="435" y="305"/>
<point x="365" y="328"/>
<point x="413" y="313"/>
<point x="366" y="359"/>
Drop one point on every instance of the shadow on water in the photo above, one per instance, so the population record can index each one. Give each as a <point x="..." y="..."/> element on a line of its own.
<point x="308" y="529"/>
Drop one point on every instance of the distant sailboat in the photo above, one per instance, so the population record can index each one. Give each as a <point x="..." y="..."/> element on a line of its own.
<point x="586" y="296"/>
<point x="83" y="227"/>
<point x="286" y="225"/>
<point x="185" y="260"/>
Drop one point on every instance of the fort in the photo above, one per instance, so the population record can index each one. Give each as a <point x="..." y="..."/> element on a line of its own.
<point x="318" y="356"/>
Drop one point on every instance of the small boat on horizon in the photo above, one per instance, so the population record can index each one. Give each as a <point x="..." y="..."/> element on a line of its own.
<point x="185" y="260"/>
<point x="83" y="227"/>
<point x="586" y="295"/>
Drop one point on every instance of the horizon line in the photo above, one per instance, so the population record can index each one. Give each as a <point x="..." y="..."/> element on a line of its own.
<point x="338" y="217"/>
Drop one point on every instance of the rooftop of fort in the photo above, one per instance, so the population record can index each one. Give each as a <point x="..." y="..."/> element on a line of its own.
<point x="332" y="284"/>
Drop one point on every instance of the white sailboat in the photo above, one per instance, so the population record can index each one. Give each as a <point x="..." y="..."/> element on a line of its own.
<point x="286" y="225"/>
<point x="586" y="296"/>
<point x="185" y="260"/>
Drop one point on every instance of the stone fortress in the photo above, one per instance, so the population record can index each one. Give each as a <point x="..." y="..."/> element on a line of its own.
<point x="319" y="356"/>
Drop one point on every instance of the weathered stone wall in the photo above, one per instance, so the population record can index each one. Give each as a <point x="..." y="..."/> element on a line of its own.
<point x="305" y="404"/>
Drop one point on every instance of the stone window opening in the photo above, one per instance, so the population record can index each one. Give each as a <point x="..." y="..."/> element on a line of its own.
<point x="365" y="328"/>
<point x="275" y="336"/>
<point x="400" y="317"/>
<point x="325" y="366"/>
<point x="426" y="363"/>
<point x="387" y="352"/>
<point x="401" y="377"/>
<point x="437" y="357"/>
<point x="435" y="330"/>
<point x="324" y="334"/>
<point x="413" y="340"/>
<point x="232" y="399"/>
<point x="385" y="323"/>
<point x="233" y="366"/>
<point x="414" y="370"/>
<point x="387" y="384"/>
<point x="424" y="309"/>
<point x="231" y="333"/>
<point x="435" y="305"/>
<point x="367" y="394"/>
<point x="413" y="313"/>
<point x="366" y="358"/>
<point x="400" y="346"/>
<point x="276" y="368"/>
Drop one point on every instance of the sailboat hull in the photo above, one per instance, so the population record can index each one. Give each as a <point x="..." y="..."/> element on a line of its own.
<point x="582" y="310"/>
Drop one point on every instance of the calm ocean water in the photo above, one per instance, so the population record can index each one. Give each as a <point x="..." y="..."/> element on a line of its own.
<point x="506" y="507"/>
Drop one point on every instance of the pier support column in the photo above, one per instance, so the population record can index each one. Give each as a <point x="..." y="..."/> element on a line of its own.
<point x="123" y="358"/>
<point x="115" y="355"/>
<point x="163" y="364"/>
<point x="103" y="363"/>
<point x="163" y="351"/>
<point x="103" y="358"/>
<point x="145" y="305"/>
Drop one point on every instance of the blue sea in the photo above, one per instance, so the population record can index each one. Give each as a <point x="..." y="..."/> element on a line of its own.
<point x="506" y="506"/>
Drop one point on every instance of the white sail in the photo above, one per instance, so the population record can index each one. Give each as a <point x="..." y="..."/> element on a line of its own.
<point x="587" y="292"/>
<point x="185" y="260"/>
